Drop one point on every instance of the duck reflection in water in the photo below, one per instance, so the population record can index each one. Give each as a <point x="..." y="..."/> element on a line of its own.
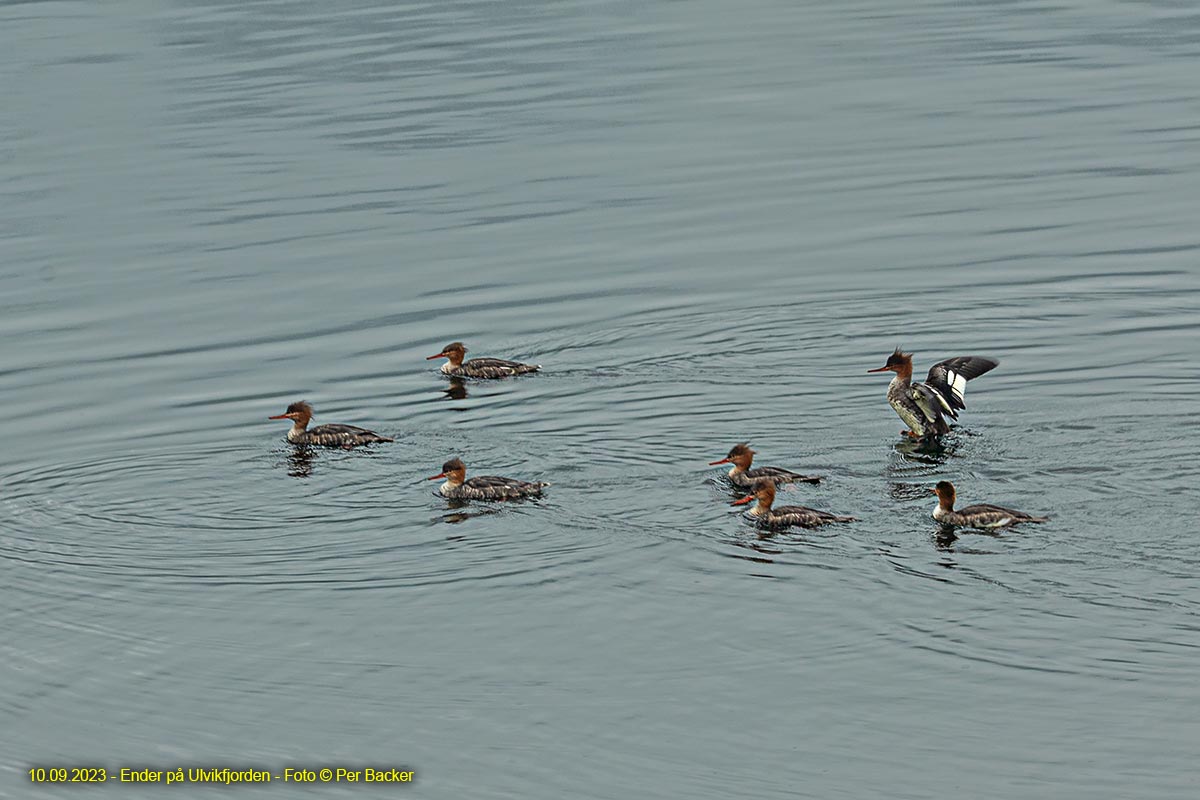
<point x="761" y="543"/>
<point x="457" y="390"/>
<point x="944" y="538"/>
<point x="928" y="451"/>
<point x="300" y="461"/>
<point x="912" y="461"/>
<point x="947" y="540"/>
<point x="904" y="491"/>
<point x="456" y="516"/>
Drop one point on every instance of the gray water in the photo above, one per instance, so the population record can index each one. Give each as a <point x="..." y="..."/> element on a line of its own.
<point x="706" y="221"/>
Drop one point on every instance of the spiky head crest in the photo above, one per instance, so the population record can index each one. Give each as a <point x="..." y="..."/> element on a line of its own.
<point x="740" y="449"/>
<point x="300" y="407"/>
<point x="899" y="358"/>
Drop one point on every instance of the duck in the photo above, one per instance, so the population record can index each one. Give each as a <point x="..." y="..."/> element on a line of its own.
<point x="743" y="477"/>
<point x="478" y="367"/>
<point x="335" y="435"/>
<point x="765" y="516"/>
<point x="924" y="406"/>
<point x="983" y="515"/>
<point x="482" y="487"/>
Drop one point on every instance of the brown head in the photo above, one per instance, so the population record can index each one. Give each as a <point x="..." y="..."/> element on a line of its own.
<point x="764" y="493"/>
<point x="898" y="362"/>
<point x="300" y="413"/>
<point x="945" y="492"/>
<point x="739" y="454"/>
<point x="453" y="351"/>
<point x="454" y="471"/>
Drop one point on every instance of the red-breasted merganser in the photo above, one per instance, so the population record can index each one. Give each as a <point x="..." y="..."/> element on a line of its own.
<point x="785" y="516"/>
<point x="925" y="406"/>
<point x="326" y="435"/>
<point x="482" y="487"/>
<point x="977" y="516"/>
<point x="741" y="476"/>
<point x="479" y="367"/>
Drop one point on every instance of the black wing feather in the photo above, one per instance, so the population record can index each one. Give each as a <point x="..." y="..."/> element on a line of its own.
<point x="949" y="378"/>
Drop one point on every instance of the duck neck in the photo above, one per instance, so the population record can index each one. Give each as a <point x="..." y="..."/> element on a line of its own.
<point x="762" y="508"/>
<point x="299" y="426"/>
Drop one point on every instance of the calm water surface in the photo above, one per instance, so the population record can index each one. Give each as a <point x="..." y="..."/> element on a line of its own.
<point x="706" y="220"/>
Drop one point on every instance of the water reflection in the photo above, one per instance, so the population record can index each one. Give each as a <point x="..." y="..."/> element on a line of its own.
<point x="928" y="451"/>
<point x="944" y="538"/>
<point x="907" y="491"/>
<point x="457" y="390"/>
<point x="914" y="464"/>
<point x="300" y="461"/>
<point x="761" y="544"/>
<point x="947" y="539"/>
<point x="456" y="516"/>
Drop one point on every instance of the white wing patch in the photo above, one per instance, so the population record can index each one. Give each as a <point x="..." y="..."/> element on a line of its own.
<point x="958" y="384"/>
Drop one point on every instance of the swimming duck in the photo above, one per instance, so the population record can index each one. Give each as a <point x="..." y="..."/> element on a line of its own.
<point x="977" y="516"/>
<point x="478" y="367"/>
<point x="325" y="435"/>
<point x="741" y="476"/>
<point x="784" y="516"/>
<point x="482" y="487"/>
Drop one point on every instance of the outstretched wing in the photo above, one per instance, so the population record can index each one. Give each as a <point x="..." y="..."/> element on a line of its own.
<point x="949" y="379"/>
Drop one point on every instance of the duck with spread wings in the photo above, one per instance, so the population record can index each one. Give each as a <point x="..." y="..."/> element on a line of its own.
<point x="925" y="407"/>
